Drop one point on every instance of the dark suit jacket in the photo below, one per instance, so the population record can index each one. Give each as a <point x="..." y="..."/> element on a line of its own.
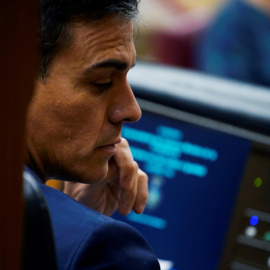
<point x="86" y="239"/>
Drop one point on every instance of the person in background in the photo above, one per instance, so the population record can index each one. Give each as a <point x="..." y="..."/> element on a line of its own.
<point x="73" y="133"/>
<point x="237" y="43"/>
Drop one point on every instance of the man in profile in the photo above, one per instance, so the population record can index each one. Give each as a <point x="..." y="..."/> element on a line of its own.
<point x="81" y="100"/>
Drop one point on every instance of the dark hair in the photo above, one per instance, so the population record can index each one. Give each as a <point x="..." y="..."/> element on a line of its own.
<point x="56" y="16"/>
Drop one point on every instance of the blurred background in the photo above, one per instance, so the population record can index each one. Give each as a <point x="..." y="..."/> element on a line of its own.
<point x="166" y="25"/>
<point x="225" y="38"/>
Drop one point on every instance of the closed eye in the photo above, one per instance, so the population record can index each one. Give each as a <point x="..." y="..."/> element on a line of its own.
<point x="103" y="86"/>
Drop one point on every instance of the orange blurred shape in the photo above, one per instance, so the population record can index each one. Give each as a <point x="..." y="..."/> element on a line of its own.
<point x="57" y="184"/>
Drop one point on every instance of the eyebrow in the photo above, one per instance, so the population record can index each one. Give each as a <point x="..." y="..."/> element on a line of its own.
<point x="111" y="63"/>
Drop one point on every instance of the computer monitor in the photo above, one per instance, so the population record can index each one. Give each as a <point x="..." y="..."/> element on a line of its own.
<point x="208" y="163"/>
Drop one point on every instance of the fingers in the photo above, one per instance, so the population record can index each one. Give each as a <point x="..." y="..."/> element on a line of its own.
<point x="70" y="188"/>
<point x="128" y="167"/>
<point x="133" y="182"/>
<point x="125" y="186"/>
<point x="136" y="197"/>
<point x="142" y="193"/>
<point x="128" y="196"/>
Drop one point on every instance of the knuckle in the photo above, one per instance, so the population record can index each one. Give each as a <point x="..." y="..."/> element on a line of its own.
<point x="132" y="167"/>
<point x="125" y="142"/>
<point x="143" y="176"/>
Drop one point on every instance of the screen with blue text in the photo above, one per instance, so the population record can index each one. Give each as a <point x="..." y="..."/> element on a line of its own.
<point x="194" y="177"/>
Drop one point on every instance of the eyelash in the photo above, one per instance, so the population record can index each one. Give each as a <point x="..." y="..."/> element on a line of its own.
<point x="103" y="86"/>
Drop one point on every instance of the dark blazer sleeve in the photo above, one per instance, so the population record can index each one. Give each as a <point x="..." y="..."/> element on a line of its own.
<point x="114" y="245"/>
<point x="86" y="239"/>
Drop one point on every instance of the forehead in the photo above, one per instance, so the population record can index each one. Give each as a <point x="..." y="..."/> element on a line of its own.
<point x="108" y="28"/>
<point x="105" y="38"/>
<point x="92" y="43"/>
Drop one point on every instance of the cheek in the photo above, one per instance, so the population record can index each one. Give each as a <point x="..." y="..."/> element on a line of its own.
<point x="80" y="127"/>
<point x="65" y="132"/>
<point x="80" y="120"/>
<point x="59" y="122"/>
<point x="67" y="114"/>
<point x="76" y="112"/>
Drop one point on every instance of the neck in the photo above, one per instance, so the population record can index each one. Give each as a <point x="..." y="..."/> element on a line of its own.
<point x="30" y="162"/>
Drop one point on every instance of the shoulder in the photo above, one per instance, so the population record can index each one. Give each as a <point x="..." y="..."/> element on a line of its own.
<point x="67" y="213"/>
<point x="86" y="239"/>
<point x="115" y="245"/>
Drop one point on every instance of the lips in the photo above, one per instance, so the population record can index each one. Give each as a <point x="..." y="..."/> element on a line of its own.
<point x="110" y="147"/>
<point x="114" y="142"/>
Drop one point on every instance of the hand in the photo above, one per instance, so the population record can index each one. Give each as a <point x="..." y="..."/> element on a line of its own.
<point x="125" y="188"/>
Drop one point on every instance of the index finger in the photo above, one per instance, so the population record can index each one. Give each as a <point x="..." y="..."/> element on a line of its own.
<point x="126" y="164"/>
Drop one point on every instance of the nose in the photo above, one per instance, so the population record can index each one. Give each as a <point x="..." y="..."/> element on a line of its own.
<point x="124" y="106"/>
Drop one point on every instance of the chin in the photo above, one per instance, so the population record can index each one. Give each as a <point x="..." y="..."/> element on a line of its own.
<point x="93" y="176"/>
<point x="80" y="174"/>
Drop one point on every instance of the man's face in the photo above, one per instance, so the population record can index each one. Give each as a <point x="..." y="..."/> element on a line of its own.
<point x="76" y="115"/>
